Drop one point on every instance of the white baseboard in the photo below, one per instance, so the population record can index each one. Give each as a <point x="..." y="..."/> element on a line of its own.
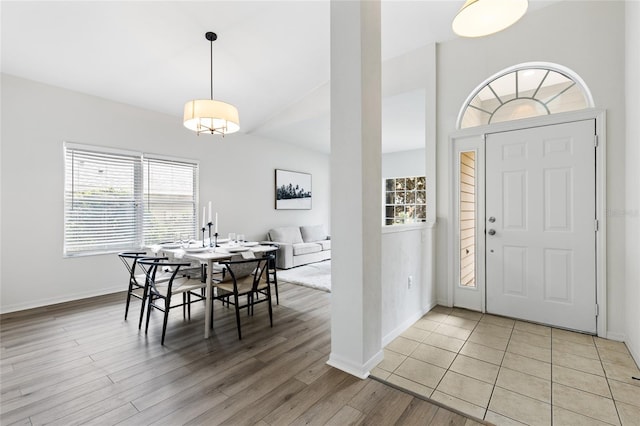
<point x="401" y="328"/>
<point x="619" y="337"/>
<point x="442" y="303"/>
<point x="635" y="355"/>
<point x="5" y="309"/>
<point x="406" y="324"/>
<point x="430" y="307"/>
<point x="360" y="371"/>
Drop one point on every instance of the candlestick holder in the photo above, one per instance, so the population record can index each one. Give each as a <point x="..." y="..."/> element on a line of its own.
<point x="210" y="224"/>
<point x="203" y="228"/>
<point x="215" y="243"/>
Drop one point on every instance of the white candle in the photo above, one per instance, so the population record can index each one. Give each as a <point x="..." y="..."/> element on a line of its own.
<point x="209" y="211"/>
<point x="216" y="230"/>
<point x="203" y="213"/>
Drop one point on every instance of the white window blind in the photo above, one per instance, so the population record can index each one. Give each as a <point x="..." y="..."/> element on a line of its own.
<point x="170" y="189"/>
<point x="119" y="200"/>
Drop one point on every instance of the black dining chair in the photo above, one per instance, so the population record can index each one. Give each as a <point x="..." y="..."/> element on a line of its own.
<point x="160" y="290"/>
<point x="273" y="273"/>
<point x="245" y="277"/>
<point x="136" y="281"/>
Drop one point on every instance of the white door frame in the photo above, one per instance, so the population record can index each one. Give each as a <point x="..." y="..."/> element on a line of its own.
<point x="477" y="134"/>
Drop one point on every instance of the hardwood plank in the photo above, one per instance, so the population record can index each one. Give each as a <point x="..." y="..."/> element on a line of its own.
<point x="346" y="416"/>
<point x="289" y="410"/>
<point x="263" y="405"/>
<point x="31" y="405"/>
<point x="369" y="401"/>
<point x="369" y="397"/>
<point x="313" y="372"/>
<point x="323" y="410"/>
<point x="446" y="417"/>
<point x="419" y="412"/>
<point x="114" y="416"/>
<point x="90" y="412"/>
<point x="177" y="411"/>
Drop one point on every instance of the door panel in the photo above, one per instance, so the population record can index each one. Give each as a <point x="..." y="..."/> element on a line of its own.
<point x="540" y="188"/>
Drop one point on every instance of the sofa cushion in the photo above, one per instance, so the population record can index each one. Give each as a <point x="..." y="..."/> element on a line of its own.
<point x="326" y="244"/>
<point x="286" y="234"/>
<point x="306" y="248"/>
<point x="313" y="233"/>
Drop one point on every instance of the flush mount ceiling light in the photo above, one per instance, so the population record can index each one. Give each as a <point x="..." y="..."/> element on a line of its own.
<point x="479" y="18"/>
<point x="208" y="115"/>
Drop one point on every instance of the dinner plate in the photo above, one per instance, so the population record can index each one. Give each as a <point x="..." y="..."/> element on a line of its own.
<point x="171" y="246"/>
<point x="250" y="243"/>
<point x="237" y="249"/>
<point x="196" y="249"/>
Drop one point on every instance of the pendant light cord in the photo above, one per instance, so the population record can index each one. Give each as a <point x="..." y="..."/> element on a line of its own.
<point x="211" y="72"/>
<point x="211" y="37"/>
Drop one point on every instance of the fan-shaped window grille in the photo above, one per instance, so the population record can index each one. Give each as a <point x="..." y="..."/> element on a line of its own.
<point x="523" y="91"/>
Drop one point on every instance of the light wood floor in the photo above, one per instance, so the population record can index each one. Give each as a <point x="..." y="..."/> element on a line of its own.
<point x="81" y="363"/>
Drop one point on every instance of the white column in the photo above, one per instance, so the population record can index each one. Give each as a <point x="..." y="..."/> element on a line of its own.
<point x="356" y="196"/>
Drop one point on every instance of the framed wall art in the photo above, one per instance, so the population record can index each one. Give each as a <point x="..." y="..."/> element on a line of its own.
<point x="293" y="190"/>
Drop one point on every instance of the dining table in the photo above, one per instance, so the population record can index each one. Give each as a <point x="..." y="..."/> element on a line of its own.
<point x="208" y="255"/>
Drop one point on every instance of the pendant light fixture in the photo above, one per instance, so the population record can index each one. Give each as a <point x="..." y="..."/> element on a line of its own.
<point x="479" y="18"/>
<point x="208" y="115"/>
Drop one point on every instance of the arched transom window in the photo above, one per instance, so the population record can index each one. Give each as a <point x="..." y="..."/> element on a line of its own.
<point x="522" y="91"/>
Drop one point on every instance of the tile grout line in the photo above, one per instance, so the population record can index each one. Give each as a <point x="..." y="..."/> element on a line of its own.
<point x="587" y="391"/>
<point x="499" y="370"/>
<point x="450" y="313"/>
<point x="606" y="377"/>
<point x="452" y="361"/>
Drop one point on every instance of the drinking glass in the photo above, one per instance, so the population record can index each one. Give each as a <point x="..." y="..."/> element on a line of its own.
<point x="232" y="238"/>
<point x="241" y="239"/>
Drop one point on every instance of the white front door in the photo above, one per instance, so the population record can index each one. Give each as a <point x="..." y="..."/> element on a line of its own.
<point x="540" y="225"/>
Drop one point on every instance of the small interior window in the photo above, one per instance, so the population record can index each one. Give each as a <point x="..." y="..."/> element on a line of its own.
<point x="405" y="200"/>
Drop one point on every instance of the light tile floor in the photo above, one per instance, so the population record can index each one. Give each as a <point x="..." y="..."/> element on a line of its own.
<point x="512" y="372"/>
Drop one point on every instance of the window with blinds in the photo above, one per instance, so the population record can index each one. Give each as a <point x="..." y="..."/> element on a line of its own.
<point x="169" y="199"/>
<point x="118" y="200"/>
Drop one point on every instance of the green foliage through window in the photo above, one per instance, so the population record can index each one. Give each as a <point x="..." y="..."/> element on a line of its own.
<point x="405" y="200"/>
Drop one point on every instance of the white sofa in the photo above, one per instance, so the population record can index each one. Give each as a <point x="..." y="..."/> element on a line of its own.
<point x="299" y="245"/>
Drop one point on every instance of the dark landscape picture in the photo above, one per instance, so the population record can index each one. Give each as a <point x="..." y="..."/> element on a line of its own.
<point x="293" y="190"/>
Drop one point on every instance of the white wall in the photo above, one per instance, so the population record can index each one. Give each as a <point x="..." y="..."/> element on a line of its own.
<point x="236" y="173"/>
<point x="587" y="37"/>
<point x="403" y="163"/>
<point x="407" y="250"/>
<point x="632" y="210"/>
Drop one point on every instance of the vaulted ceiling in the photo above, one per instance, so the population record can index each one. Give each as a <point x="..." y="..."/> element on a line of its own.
<point x="271" y="58"/>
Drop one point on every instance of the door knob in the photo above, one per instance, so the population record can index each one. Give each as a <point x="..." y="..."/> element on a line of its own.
<point x="492" y="232"/>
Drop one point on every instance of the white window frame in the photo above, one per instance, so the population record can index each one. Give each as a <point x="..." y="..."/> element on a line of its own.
<point x="134" y="236"/>
<point x="560" y="69"/>
<point x="385" y="204"/>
